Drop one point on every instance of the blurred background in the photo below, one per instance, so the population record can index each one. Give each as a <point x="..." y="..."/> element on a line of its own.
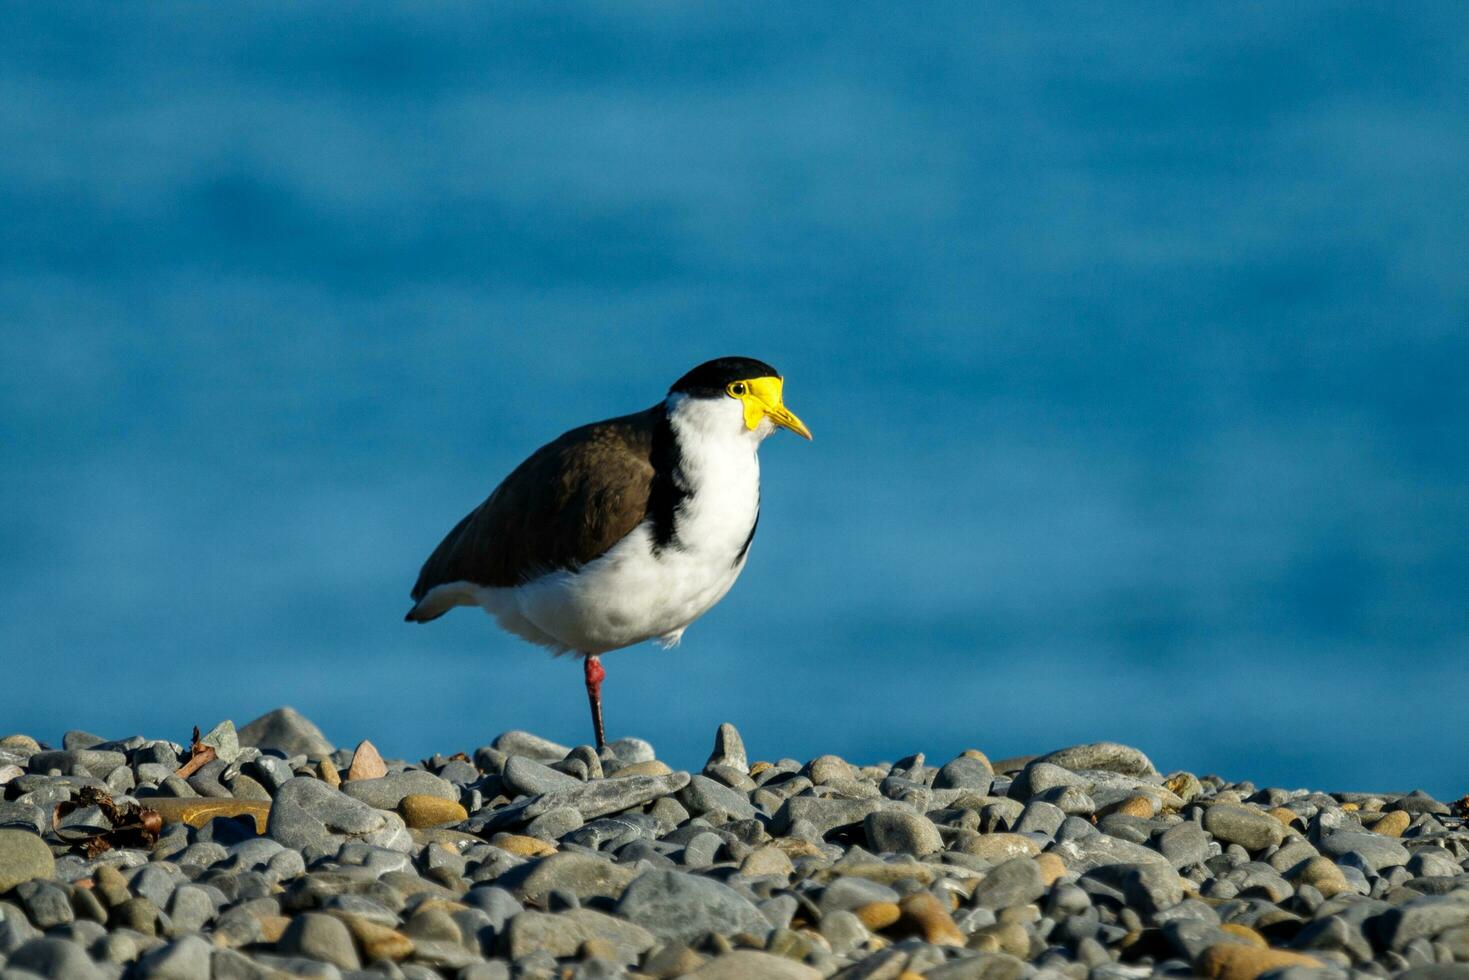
<point x="1136" y="348"/>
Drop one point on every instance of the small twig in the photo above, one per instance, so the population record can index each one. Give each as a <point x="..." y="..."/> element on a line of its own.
<point x="199" y="755"/>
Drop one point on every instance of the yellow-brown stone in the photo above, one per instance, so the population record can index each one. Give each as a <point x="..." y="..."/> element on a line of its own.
<point x="1392" y="824"/>
<point x="1285" y="816"/>
<point x="421" y="810"/>
<point x="1322" y="874"/>
<point x="977" y="756"/>
<point x="878" y="915"/>
<point x="1052" y="867"/>
<point x="1246" y="933"/>
<point x="758" y="767"/>
<point x="523" y="846"/>
<point x="367" y="762"/>
<point x="927" y="915"/>
<point x="110" y="886"/>
<point x="1183" y="785"/>
<point x="196" y="811"/>
<point x="378" y="942"/>
<point x="272" y="927"/>
<point x="327" y="773"/>
<point x="795" y="847"/>
<point x="1136" y="806"/>
<point x="1231" y="961"/>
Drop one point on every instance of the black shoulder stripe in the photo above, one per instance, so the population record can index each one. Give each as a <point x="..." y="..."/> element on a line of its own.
<point x="745" y="548"/>
<point x="667" y="491"/>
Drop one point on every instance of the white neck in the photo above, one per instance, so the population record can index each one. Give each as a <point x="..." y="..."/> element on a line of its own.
<point x="719" y="469"/>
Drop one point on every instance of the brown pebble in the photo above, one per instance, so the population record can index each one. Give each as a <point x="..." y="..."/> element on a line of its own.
<point x="378" y="942"/>
<point x="928" y="915"/>
<point x="1246" y="933"/>
<point x="327" y="773"/>
<point x="1285" y="816"/>
<point x="597" y="949"/>
<point x="522" y="846"/>
<point x="878" y="915"/>
<point x="1231" y="961"/>
<point x="110" y="886"/>
<point x="367" y="763"/>
<point x="977" y="755"/>
<point x="420" y="810"/>
<point x="1052" y="867"/>
<point x="1136" y="806"/>
<point x="272" y="927"/>
<point x="1392" y="824"/>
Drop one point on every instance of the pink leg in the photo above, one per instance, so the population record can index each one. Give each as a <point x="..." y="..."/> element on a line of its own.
<point x="594" y="675"/>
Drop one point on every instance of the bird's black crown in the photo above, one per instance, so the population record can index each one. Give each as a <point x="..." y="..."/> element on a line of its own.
<point x="711" y="377"/>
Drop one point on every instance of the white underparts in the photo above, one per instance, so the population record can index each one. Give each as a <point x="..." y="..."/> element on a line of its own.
<point x="634" y="592"/>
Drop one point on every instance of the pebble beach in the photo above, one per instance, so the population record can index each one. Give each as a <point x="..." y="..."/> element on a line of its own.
<point x="268" y="851"/>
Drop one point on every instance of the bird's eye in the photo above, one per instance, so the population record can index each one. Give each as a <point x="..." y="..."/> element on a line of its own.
<point x="737" y="389"/>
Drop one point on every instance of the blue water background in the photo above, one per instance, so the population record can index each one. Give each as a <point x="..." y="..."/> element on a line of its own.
<point x="1135" y="340"/>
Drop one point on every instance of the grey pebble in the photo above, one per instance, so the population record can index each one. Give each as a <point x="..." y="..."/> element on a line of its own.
<point x="703" y="795"/>
<point x="308" y="812"/>
<point x="186" y="958"/>
<point x="1251" y="829"/>
<point x="1014" y="882"/>
<point x="386" y="792"/>
<point x="729" y="749"/>
<point x="900" y="831"/>
<point x="53" y="958"/>
<point x="1380" y="852"/>
<point x="682" y="907"/>
<point x="224" y="740"/>
<point x="320" y="937"/>
<point x="524" y="776"/>
<point x="1108" y="756"/>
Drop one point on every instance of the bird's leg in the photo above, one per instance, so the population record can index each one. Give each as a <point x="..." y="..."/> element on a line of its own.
<point x="594" y="674"/>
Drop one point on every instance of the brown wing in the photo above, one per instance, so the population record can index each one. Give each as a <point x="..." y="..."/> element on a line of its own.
<point x="573" y="499"/>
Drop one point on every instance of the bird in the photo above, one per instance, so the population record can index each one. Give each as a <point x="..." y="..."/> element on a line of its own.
<point x="620" y="531"/>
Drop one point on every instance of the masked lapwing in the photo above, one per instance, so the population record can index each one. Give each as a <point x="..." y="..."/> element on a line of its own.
<point x="619" y="531"/>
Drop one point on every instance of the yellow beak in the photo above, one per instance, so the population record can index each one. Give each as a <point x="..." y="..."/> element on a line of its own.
<point x="763" y="399"/>
<point x="786" y="419"/>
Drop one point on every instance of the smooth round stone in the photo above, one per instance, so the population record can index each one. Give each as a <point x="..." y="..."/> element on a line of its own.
<point x="321" y="937"/>
<point x="901" y="832"/>
<point x="23" y="857"/>
<point x="1017" y="881"/>
<point x="1380" y="852"/>
<point x="683" y="908"/>
<point x="1240" y="825"/>
<point x="386" y="792"/>
<point x="420" y="811"/>
<point x="55" y="958"/>
<point x="1109" y="756"/>
<point x="187" y="958"/>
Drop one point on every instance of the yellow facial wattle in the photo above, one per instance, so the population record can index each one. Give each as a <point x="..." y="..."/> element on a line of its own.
<point x="761" y="397"/>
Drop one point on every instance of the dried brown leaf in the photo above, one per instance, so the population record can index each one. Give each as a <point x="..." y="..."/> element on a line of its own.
<point x="133" y="825"/>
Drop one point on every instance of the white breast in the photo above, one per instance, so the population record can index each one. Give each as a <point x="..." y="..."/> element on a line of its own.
<point x="637" y="591"/>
